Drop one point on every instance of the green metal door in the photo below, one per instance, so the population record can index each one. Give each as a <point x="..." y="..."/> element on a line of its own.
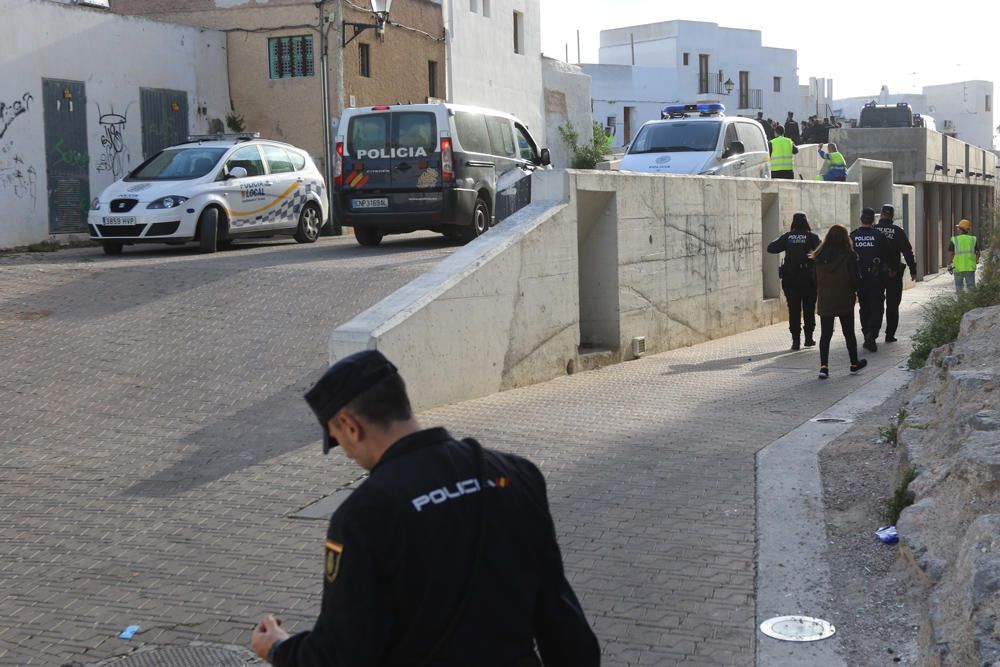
<point x="67" y="160"/>
<point x="164" y="119"/>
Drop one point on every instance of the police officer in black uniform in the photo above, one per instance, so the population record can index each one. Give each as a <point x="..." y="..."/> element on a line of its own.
<point x="900" y="244"/>
<point x="798" y="277"/>
<point x="445" y="555"/>
<point x="874" y="260"/>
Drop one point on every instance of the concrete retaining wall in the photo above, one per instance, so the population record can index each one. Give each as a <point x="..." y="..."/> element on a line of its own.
<point x="601" y="258"/>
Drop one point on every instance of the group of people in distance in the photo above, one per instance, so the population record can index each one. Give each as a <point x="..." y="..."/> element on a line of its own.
<point x="829" y="277"/>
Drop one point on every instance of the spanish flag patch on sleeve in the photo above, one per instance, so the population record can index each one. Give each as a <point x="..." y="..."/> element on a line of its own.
<point x="334" y="551"/>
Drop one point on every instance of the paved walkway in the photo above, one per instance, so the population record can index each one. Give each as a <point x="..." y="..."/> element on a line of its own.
<point x="149" y="473"/>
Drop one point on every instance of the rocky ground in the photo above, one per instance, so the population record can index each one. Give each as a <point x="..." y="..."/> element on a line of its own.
<point x="878" y="600"/>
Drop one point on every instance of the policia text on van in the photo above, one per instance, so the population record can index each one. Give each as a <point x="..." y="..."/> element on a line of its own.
<point x="450" y="169"/>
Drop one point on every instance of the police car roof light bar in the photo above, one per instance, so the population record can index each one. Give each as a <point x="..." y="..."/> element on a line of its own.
<point x="682" y="110"/>
<point x="222" y="136"/>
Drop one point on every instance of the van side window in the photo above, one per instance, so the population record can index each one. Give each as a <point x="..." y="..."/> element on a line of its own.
<point x="368" y="133"/>
<point x="731" y="136"/>
<point x="752" y="137"/>
<point x="501" y="136"/>
<point x="415" y="129"/>
<point x="472" y="134"/>
<point x="525" y="146"/>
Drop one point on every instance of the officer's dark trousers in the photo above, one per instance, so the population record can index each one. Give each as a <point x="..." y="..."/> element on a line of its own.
<point x="826" y="335"/>
<point x="893" y="297"/>
<point x="800" y="293"/>
<point x="871" y="299"/>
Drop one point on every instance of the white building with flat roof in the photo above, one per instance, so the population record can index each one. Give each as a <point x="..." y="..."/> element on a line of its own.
<point x="644" y="67"/>
<point x="963" y="109"/>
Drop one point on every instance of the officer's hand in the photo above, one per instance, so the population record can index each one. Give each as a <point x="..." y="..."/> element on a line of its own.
<point x="267" y="632"/>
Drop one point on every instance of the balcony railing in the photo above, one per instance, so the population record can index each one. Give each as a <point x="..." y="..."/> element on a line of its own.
<point x="751" y="98"/>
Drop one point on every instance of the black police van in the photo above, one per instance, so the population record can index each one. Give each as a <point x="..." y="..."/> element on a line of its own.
<point x="452" y="169"/>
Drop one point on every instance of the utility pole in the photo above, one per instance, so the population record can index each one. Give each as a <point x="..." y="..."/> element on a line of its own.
<point x="328" y="156"/>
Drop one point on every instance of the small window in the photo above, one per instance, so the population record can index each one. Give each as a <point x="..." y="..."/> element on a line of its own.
<point x="290" y="57"/>
<point x="486" y="8"/>
<point x="501" y="136"/>
<point x="472" y="133"/>
<point x="687" y="59"/>
<point x="518" y="32"/>
<point x="432" y="78"/>
<point x="278" y="161"/>
<point x="989" y="103"/>
<point x="474" y="6"/>
<point x="298" y="160"/>
<point x="777" y="84"/>
<point x="364" y="52"/>
<point x="247" y="157"/>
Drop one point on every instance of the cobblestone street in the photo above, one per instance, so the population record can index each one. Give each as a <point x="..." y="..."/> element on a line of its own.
<point x="155" y="446"/>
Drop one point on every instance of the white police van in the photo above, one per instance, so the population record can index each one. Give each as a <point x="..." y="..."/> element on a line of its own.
<point x="699" y="139"/>
<point x="213" y="190"/>
<point x="452" y="169"/>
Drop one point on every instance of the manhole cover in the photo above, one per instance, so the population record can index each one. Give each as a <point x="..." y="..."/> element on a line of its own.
<point x="797" y="628"/>
<point x="187" y="656"/>
<point x="831" y="420"/>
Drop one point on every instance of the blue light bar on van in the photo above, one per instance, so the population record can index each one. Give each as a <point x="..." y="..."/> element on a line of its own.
<point x="704" y="108"/>
<point x="902" y="104"/>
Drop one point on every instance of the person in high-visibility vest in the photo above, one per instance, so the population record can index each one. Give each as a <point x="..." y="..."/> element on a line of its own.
<point x="837" y="164"/>
<point x="964" y="250"/>
<point x="782" y="149"/>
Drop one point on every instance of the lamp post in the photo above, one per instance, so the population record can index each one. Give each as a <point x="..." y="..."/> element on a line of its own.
<point x="380" y="9"/>
<point x="324" y="51"/>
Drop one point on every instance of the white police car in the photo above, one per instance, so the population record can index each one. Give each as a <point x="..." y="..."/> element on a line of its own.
<point x="699" y="139"/>
<point x="213" y="190"/>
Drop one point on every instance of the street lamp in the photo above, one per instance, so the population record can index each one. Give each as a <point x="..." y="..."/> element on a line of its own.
<point x="380" y="8"/>
<point x="729" y="86"/>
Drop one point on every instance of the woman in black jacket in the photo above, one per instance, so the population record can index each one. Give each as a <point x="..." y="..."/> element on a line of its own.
<point x="837" y="281"/>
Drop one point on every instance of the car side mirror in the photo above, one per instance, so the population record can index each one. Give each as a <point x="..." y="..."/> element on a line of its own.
<point x="237" y="172"/>
<point x="546" y="157"/>
<point x="736" y="148"/>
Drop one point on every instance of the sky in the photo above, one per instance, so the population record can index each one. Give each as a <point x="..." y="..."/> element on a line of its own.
<point x="860" y="45"/>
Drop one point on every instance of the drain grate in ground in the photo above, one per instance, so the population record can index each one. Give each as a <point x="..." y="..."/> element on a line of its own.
<point x="187" y="656"/>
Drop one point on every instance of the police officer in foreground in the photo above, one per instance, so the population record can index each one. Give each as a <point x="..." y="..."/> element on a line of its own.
<point x="874" y="259"/>
<point x="899" y="244"/>
<point x="798" y="278"/>
<point x="445" y="555"/>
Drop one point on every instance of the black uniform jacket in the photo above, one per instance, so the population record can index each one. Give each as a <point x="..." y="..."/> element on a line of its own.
<point x="899" y="242"/>
<point x="401" y="550"/>
<point x="874" y="252"/>
<point x="796" y="246"/>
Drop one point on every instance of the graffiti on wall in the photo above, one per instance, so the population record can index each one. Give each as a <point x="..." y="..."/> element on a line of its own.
<point x="17" y="178"/>
<point x="10" y="111"/>
<point x="115" y="156"/>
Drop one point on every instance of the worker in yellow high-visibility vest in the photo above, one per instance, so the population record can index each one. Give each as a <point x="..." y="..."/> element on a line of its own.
<point x="837" y="163"/>
<point x="782" y="149"/>
<point x="964" y="249"/>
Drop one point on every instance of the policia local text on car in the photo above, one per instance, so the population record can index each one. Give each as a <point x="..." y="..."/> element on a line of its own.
<point x="446" y="555"/>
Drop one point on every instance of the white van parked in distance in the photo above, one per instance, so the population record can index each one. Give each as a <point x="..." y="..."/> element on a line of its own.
<point x="699" y="139"/>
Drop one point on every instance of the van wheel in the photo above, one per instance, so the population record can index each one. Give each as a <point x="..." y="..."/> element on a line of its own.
<point x="309" y="224"/>
<point x="367" y="236"/>
<point x="112" y="248"/>
<point x="480" y="222"/>
<point x="208" y="231"/>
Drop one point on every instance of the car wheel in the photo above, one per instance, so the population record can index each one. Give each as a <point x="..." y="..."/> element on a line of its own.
<point x="367" y="236"/>
<point x="208" y="231"/>
<point x="112" y="247"/>
<point x="480" y="222"/>
<point x="309" y="224"/>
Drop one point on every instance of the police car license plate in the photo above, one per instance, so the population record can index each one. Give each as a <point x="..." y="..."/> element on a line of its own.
<point x="119" y="220"/>
<point x="377" y="202"/>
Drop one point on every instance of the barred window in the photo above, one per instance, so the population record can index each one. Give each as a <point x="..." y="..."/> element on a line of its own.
<point x="290" y="57"/>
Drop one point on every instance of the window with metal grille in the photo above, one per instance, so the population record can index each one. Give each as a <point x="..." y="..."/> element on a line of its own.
<point x="290" y="57"/>
<point x="365" y="53"/>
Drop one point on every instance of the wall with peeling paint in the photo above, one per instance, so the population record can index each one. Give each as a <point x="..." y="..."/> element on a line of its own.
<point x="113" y="57"/>
<point x="597" y="259"/>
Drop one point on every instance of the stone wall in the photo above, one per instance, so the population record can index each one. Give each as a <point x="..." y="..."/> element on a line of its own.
<point x="951" y="534"/>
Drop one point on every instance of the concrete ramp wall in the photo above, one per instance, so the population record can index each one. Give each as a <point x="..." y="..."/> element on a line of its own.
<point x="600" y="259"/>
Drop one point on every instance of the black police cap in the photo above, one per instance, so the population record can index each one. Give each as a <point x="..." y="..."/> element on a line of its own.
<point x="343" y="382"/>
<point x="868" y="215"/>
<point x="889" y="208"/>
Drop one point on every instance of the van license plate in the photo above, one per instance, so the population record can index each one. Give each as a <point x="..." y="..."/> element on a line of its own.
<point x="378" y="202"/>
<point x="119" y="220"/>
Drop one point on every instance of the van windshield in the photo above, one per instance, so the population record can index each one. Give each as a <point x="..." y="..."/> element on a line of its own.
<point x="677" y="137"/>
<point x="181" y="164"/>
<point x="886" y="117"/>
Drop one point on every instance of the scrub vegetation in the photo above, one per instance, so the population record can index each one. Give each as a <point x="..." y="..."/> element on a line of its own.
<point x="588" y="154"/>
<point x="943" y="316"/>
